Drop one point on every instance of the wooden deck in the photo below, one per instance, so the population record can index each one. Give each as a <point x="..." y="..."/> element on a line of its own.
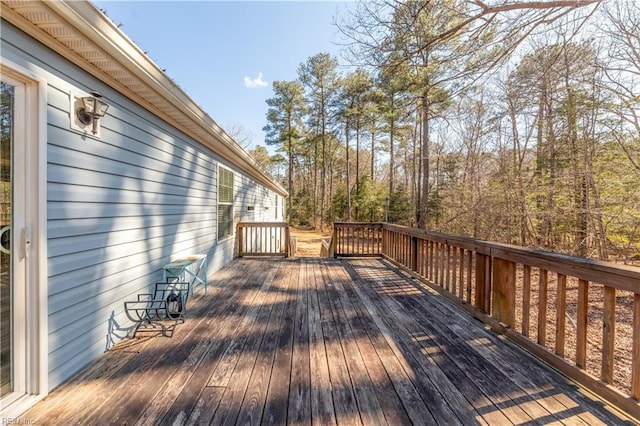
<point x="296" y="341"/>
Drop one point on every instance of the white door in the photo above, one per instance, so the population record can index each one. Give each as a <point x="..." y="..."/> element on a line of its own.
<point x="20" y="294"/>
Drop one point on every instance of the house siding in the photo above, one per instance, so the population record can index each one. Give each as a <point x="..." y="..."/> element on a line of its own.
<point x="118" y="208"/>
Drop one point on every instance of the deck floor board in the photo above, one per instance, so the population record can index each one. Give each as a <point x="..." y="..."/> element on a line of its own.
<point x="320" y="341"/>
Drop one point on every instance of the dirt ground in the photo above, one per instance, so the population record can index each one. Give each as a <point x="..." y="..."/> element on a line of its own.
<point x="309" y="241"/>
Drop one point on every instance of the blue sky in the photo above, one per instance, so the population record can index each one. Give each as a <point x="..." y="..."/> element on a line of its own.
<point x="226" y="54"/>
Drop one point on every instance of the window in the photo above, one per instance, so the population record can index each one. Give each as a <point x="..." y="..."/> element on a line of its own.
<point x="225" y="203"/>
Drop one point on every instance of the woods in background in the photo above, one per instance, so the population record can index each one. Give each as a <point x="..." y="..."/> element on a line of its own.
<point x="515" y="122"/>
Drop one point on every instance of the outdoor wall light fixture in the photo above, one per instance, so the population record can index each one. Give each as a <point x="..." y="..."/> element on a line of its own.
<point x="92" y="109"/>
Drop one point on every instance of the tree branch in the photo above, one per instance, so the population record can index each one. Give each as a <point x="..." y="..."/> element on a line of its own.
<point x="508" y="7"/>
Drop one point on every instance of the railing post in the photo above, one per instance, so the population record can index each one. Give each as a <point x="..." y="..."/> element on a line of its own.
<point x="483" y="281"/>
<point x="503" y="291"/>
<point x="334" y="242"/>
<point x="240" y="247"/>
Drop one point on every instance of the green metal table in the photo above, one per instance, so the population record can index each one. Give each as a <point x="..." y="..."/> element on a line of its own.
<point x="190" y="269"/>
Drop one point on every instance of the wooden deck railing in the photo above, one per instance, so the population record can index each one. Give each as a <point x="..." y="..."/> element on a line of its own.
<point x="263" y="239"/>
<point x="581" y="316"/>
<point x="356" y="239"/>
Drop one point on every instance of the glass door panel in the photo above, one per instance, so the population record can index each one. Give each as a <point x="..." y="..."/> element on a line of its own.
<point x="7" y="102"/>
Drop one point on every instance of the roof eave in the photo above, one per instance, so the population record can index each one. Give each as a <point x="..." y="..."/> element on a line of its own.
<point x="91" y="26"/>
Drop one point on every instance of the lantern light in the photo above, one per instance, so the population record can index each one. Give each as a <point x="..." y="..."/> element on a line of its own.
<point x="93" y="108"/>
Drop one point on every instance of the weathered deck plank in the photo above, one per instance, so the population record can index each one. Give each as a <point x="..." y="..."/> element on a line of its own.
<point x="369" y="406"/>
<point x="251" y="335"/>
<point x="197" y="400"/>
<point x="489" y="350"/>
<point x="344" y="399"/>
<point x="276" y="406"/>
<point x="391" y="385"/>
<point x="299" y="397"/>
<point x="320" y="341"/>
<point x="321" y="394"/>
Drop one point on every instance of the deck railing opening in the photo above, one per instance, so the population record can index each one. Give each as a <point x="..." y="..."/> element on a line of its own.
<point x="264" y="239"/>
<point x="581" y="316"/>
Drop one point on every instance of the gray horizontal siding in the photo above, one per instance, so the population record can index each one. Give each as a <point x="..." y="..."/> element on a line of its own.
<point x="118" y="208"/>
<point x="250" y="193"/>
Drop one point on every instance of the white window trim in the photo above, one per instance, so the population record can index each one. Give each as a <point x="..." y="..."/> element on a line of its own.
<point x="233" y="196"/>
<point x="36" y="316"/>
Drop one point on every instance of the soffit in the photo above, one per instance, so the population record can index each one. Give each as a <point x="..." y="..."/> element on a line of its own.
<point x="86" y="37"/>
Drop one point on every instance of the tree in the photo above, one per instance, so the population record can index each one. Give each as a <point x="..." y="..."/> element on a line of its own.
<point x="284" y="124"/>
<point x="621" y="32"/>
<point x="443" y="41"/>
<point x="354" y="96"/>
<point x="544" y="150"/>
<point x="269" y="163"/>
<point x="319" y="76"/>
<point x="240" y="134"/>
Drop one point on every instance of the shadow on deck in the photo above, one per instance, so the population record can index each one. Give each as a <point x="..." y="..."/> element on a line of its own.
<point x="322" y="340"/>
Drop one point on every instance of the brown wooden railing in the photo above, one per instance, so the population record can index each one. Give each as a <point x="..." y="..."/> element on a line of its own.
<point x="356" y="239"/>
<point x="264" y="239"/>
<point x="582" y="316"/>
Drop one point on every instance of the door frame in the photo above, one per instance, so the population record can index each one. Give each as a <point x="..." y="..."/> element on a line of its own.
<point x="31" y="246"/>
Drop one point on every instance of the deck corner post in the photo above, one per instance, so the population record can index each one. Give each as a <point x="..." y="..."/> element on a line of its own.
<point x="503" y="291"/>
<point x="240" y="248"/>
<point x="334" y="242"/>
<point x="483" y="282"/>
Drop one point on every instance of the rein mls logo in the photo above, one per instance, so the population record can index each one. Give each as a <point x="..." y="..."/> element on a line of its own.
<point x="16" y="421"/>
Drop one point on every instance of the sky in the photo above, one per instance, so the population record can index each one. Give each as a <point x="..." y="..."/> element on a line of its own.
<point x="226" y="54"/>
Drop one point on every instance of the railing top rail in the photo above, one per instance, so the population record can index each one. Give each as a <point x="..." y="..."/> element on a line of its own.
<point x="264" y="224"/>
<point x="357" y="224"/>
<point x="623" y="277"/>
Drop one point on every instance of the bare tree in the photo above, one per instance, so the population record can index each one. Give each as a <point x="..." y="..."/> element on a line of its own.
<point x="622" y="32"/>
<point x="240" y="134"/>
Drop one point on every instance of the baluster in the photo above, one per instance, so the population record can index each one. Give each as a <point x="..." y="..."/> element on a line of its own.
<point x="561" y="313"/>
<point x="608" y="333"/>
<point x="469" y="269"/>
<point x="635" y="358"/>
<point x="581" y="323"/>
<point x="526" y="299"/>
<point x="542" y="307"/>
<point x="454" y="270"/>
<point x="461" y="265"/>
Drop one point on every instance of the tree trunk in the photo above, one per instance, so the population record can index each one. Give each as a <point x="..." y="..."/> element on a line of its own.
<point x="290" y="180"/>
<point x="314" y="201"/>
<point x="373" y="156"/>
<point x="323" y="171"/>
<point x="391" y="145"/>
<point x="548" y="234"/>
<point x="517" y="167"/>
<point x="358" y="156"/>
<point x="348" y="194"/>
<point x="423" y="217"/>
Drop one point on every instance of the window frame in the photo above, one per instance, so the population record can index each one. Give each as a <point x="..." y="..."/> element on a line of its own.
<point x="230" y="231"/>
<point x="32" y="366"/>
